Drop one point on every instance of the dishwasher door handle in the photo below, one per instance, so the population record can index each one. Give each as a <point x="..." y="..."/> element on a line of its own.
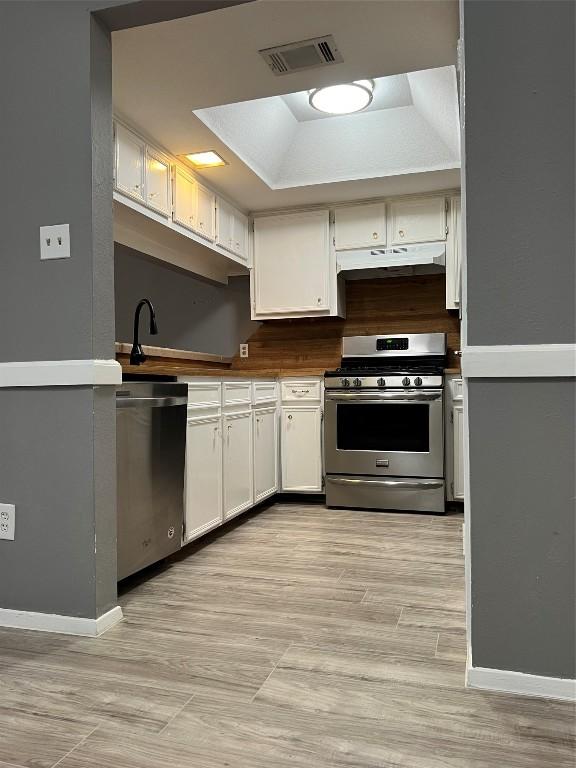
<point x="150" y="402"/>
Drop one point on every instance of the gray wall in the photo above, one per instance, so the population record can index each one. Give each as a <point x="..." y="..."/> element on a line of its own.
<point x="520" y="156"/>
<point x="57" y="462"/>
<point x="57" y="445"/>
<point x="519" y="142"/>
<point x="192" y="313"/>
<point x="523" y="525"/>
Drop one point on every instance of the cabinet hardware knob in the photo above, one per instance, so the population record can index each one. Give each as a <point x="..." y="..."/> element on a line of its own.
<point x="401" y="233"/>
<point x="290" y="417"/>
<point x="375" y="235"/>
<point x="319" y="300"/>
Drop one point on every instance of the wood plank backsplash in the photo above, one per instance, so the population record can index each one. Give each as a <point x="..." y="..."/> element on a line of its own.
<point x="389" y="305"/>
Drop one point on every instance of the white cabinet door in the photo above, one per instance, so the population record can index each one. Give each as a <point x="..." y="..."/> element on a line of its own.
<point x="291" y="264"/>
<point x="240" y="234"/>
<point x="453" y="255"/>
<point x="238" y="463"/>
<point x="157" y="182"/>
<point x="301" y="448"/>
<point x="129" y="163"/>
<point x="265" y="453"/>
<point x="420" y="220"/>
<point x="360" y="226"/>
<point x="203" y="501"/>
<point x="225" y="224"/>
<point x="232" y="229"/>
<point x="205" y="222"/>
<point x="185" y="199"/>
<point x="458" y="425"/>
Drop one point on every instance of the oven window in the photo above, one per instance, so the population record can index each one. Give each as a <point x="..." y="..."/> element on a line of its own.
<point x="383" y="427"/>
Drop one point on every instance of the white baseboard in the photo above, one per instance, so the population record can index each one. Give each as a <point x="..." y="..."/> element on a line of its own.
<point x="507" y="681"/>
<point x="66" y="625"/>
<point x="519" y="360"/>
<point x="60" y="373"/>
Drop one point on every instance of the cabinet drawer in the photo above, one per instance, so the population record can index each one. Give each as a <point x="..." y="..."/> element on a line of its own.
<point x="236" y="393"/>
<point x="456" y="389"/>
<point x="264" y="392"/>
<point x="293" y="391"/>
<point x="204" y="394"/>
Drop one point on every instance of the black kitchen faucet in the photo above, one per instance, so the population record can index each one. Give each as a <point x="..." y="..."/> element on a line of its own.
<point x="137" y="356"/>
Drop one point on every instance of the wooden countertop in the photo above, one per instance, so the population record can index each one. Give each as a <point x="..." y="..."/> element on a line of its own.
<point x="175" y="362"/>
<point x="123" y="348"/>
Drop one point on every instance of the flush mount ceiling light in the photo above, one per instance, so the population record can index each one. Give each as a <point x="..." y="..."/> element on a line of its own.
<point x="207" y="159"/>
<point x="342" y="99"/>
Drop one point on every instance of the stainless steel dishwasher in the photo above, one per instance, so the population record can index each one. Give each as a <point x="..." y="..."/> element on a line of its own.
<point x="150" y="457"/>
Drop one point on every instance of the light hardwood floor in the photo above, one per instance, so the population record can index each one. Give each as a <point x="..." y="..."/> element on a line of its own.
<point x="297" y="637"/>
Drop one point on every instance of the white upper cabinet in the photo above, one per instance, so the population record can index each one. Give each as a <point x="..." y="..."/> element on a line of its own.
<point x="294" y="268"/>
<point x="232" y="229"/>
<point x="205" y="223"/>
<point x="224" y="224"/>
<point x="157" y="182"/>
<point x="129" y="163"/>
<point x="419" y="220"/>
<point x="240" y="234"/>
<point x="453" y="254"/>
<point x="360" y="226"/>
<point x="185" y="199"/>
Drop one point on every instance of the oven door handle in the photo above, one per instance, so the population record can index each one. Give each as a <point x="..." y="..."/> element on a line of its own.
<point x="388" y="483"/>
<point x="412" y="397"/>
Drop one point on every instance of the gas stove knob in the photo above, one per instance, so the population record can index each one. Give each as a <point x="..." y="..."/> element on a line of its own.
<point x="406" y="381"/>
<point x="381" y="382"/>
<point x="418" y="381"/>
<point x="357" y="382"/>
<point x="345" y="382"/>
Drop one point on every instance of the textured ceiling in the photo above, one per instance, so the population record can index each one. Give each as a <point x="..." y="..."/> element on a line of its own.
<point x="389" y="140"/>
<point x="162" y="72"/>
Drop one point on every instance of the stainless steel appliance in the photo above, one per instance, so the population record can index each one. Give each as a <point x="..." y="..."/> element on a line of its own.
<point x="150" y="455"/>
<point x="384" y="425"/>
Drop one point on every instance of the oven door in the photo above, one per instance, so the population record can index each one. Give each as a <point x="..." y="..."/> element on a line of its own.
<point x="397" y="433"/>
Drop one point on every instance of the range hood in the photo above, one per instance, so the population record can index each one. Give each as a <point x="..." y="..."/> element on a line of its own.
<point x="397" y="256"/>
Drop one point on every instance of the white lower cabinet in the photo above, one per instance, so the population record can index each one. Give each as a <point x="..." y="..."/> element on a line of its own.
<point x="234" y="442"/>
<point x="454" y="428"/>
<point x="301" y="448"/>
<point x="265" y="452"/>
<point x="203" y="499"/>
<point x="237" y="463"/>
<point x="458" y="427"/>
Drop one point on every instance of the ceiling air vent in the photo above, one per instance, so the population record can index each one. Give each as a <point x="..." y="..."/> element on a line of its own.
<point x="305" y="54"/>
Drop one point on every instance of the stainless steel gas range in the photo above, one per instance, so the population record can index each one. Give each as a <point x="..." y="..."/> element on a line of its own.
<point x="384" y="425"/>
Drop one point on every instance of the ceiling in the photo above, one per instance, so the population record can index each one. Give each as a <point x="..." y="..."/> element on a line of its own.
<point x="416" y="130"/>
<point x="164" y="72"/>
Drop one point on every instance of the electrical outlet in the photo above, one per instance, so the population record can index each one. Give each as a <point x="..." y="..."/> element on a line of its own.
<point x="243" y="350"/>
<point x="55" y="242"/>
<point x="7" y="521"/>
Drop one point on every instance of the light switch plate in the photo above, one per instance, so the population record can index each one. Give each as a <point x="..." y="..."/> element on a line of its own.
<point x="7" y="521"/>
<point x="55" y="242"/>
